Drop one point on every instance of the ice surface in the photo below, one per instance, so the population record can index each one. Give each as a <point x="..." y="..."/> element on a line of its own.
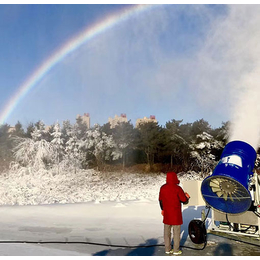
<point x="116" y="223"/>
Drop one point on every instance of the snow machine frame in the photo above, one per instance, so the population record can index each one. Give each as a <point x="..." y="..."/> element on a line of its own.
<point x="243" y="227"/>
<point x="233" y="192"/>
<point x="246" y="224"/>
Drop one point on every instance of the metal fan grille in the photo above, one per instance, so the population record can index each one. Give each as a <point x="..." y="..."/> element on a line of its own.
<point x="228" y="189"/>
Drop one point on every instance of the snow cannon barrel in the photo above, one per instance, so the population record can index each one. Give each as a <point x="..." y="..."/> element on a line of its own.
<point x="227" y="189"/>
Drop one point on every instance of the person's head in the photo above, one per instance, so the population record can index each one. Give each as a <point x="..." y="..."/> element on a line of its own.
<point x="172" y="178"/>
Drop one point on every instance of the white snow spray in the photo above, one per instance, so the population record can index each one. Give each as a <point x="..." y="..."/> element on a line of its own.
<point x="245" y="124"/>
<point x="245" y="119"/>
<point x="232" y="76"/>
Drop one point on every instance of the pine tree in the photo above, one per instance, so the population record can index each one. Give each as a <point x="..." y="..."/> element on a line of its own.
<point x="100" y="146"/>
<point x="6" y="147"/>
<point x="80" y="127"/>
<point x="203" y="151"/>
<point x="123" y="135"/>
<point x="175" y="144"/>
<point x="57" y="143"/>
<point x="148" y="140"/>
<point x="30" y="128"/>
<point x="73" y="155"/>
<point x="38" y="132"/>
<point x="66" y="130"/>
<point x="18" y="131"/>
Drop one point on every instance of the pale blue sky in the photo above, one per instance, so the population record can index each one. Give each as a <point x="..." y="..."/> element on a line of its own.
<point x="168" y="61"/>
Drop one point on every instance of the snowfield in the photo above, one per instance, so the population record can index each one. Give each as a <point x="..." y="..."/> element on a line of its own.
<point x="86" y="205"/>
<point x="46" y="187"/>
<point x="108" y="211"/>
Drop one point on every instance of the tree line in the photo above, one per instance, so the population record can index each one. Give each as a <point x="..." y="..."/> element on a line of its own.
<point x="191" y="146"/>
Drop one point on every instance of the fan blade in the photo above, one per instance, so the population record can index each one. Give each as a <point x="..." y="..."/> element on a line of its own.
<point x="219" y="193"/>
<point x="212" y="184"/>
<point x="219" y="179"/>
<point x="230" y="195"/>
<point x="216" y="189"/>
<point x="216" y="181"/>
<point x="236" y="197"/>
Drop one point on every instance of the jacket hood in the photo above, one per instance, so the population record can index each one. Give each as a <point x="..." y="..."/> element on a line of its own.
<point x="171" y="178"/>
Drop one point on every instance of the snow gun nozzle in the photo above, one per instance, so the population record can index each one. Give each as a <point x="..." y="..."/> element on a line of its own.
<point x="227" y="189"/>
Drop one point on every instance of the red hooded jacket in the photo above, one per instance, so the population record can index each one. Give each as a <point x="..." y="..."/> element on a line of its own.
<point x="171" y="195"/>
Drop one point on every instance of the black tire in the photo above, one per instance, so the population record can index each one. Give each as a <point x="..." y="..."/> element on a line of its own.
<point x="197" y="231"/>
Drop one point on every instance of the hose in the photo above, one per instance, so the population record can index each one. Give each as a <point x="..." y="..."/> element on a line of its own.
<point x="88" y="243"/>
<point x="257" y="214"/>
<point x="207" y="213"/>
<point x="193" y="248"/>
<point x="73" y="242"/>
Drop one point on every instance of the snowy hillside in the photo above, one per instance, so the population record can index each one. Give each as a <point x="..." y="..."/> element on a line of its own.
<point x="46" y="187"/>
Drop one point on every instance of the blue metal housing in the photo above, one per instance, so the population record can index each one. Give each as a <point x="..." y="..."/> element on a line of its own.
<point x="226" y="189"/>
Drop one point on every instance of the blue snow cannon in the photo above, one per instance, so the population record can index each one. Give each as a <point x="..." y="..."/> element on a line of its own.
<point x="227" y="189"/>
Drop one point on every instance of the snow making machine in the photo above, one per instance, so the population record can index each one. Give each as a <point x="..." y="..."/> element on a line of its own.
<point x="232" y="191"/>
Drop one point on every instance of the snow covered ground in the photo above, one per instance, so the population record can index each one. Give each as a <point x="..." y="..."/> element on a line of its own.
<point x="47" y="187"/>
<point x="116" y="225"/>
<point x="111" y="209"/>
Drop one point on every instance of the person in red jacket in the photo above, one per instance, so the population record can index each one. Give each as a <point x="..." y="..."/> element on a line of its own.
<point x="170" y="197"/>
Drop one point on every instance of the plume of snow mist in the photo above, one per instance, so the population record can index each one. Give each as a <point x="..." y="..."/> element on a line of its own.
<point x="245" y="110"/>
<point x="245" y="124"/>
<point x="230" y="56"/>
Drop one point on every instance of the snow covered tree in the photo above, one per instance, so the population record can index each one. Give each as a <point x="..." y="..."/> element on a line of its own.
<point x="199" y="127"/>
<point x="80" y="127"/>
<point x="57" y="143"/>
<point x="222" y="133"/>
<point x="39" y="131"/>
<point x="203" y="152"/>
<point x="48" y="133"/>
<point x="66" y="130"/>
<point x="6" y="146"/>
<point x="175" y="143"/>
<point x="73" y="155"/>
<point x="99" y="147"/>
<point x="34" y="152"/>
<point x="18" y="130"/>
<point x="29" y="129"/>
<point x="37" y="154"/>
<point x="148" y="138"/>
<point x="123" y="135"/>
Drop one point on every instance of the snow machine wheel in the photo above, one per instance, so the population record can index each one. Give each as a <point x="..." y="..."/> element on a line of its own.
<point x="197" y="231"/>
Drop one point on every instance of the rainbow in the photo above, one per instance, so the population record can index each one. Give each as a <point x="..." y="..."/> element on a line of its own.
<point x="70" y="46"/>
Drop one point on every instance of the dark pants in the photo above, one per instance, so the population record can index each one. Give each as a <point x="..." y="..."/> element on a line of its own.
<point x="176" y="237"/>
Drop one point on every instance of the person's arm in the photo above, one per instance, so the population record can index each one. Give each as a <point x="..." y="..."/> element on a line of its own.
<point x="160" y="198"/>
<point x="160" y="202"/>
<point x="183" y="198"/>
<point x="161" y="205"/>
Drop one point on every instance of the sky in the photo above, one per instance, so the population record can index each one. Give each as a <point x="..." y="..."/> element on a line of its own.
<point x="173" y="61"/>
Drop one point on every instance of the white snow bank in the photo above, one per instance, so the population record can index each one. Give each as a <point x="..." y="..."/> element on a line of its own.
<point x="47" y="187"/>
